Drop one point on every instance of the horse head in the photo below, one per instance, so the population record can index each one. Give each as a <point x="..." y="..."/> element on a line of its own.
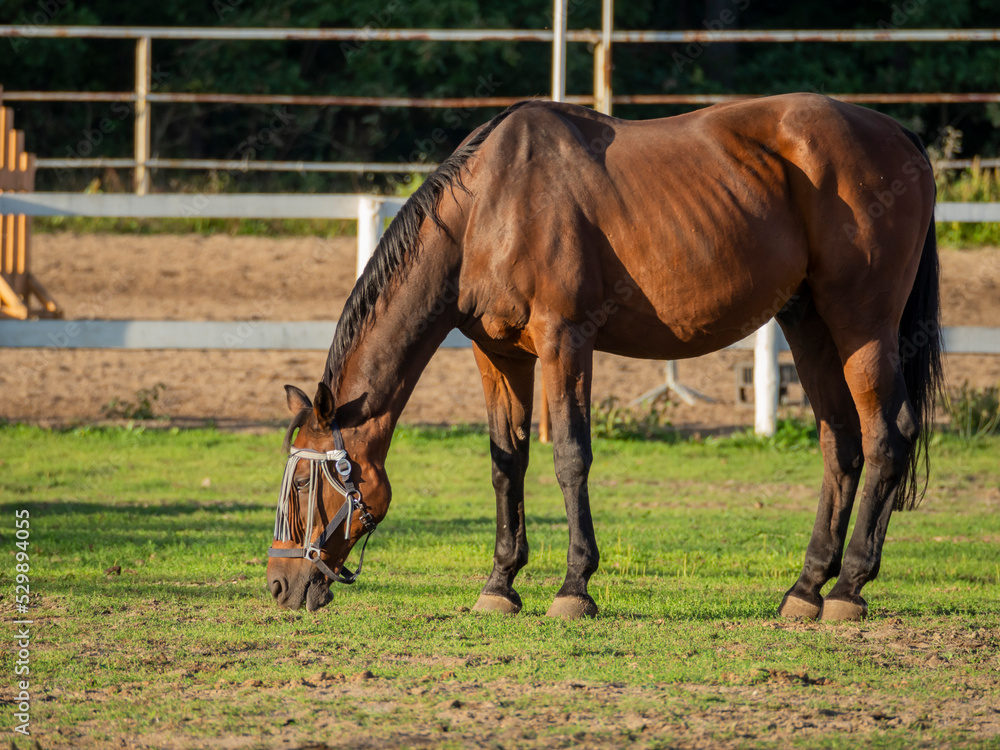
<point x="333" y="493"/>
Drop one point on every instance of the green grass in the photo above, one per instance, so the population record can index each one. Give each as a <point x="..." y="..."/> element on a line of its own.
<point x="199" y="225"/>
<point x="699" y="540"/>
<point x="975" y="185"/>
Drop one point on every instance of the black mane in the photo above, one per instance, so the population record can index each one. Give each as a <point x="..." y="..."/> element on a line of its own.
<point x="400" y="240"/>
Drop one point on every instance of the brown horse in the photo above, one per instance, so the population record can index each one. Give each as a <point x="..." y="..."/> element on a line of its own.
<point x="554" y="231"/>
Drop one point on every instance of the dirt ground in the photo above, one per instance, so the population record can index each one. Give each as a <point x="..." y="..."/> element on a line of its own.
<point x="192" y="277"/>
<point x="767" y="708"/>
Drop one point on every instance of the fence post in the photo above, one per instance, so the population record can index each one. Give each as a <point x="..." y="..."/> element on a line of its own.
<point x="143" y="82"/>
<point x="602" y="60"/>
<point x="765" y="379"/>
<point x="371" y="221"/>
<point x="558" y="50"/>
<point x="17" y="284"/>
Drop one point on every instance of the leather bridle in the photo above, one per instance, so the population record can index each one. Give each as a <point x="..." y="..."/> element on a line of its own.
<point x="319" y="463"/>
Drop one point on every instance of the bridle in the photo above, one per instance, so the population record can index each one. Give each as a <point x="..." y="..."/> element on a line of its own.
<point x="319" y="462"/>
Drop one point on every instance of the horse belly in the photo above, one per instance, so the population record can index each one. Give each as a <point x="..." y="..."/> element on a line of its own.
<point x="693" y="303"/>
<point x="689" y="271"/>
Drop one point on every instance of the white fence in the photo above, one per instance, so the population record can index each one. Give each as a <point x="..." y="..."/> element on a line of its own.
<point x="371" y="212"/>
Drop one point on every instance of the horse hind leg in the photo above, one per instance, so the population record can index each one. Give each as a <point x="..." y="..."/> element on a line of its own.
<point x="821" y="374"/>
<point x="507" y="384"/>
<point x="889" y="429"/>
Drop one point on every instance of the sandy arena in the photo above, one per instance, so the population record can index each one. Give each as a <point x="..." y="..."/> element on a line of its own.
<point x="193" y="277"/>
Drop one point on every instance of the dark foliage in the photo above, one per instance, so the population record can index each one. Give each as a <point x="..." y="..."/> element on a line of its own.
<point x="452" y="69"/>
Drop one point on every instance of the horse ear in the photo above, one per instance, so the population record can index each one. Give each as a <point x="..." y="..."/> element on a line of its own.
<point x="325" y="407"/>
<point x="297" y="399"/>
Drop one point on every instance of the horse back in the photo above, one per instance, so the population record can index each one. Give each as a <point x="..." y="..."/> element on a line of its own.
<point x="697" y="227"/>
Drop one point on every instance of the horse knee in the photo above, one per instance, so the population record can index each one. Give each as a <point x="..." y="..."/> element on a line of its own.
<point x="573" y="464"/>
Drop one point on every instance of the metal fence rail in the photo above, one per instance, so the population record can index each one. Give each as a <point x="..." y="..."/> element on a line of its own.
<point x="590" y="36"/>
<point x="142" y="97"/>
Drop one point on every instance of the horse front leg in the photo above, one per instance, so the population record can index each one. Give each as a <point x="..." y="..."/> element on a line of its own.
<point x="508" y="385"/>
<point x="567" y="367"/>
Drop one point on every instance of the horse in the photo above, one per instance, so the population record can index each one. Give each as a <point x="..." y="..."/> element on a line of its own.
<point x="553" y="231"/>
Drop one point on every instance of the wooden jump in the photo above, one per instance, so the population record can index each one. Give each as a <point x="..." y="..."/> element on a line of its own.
<point x="18" y="287"/>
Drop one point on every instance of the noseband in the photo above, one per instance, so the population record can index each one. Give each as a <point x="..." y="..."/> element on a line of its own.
<point x="319" y="462"/>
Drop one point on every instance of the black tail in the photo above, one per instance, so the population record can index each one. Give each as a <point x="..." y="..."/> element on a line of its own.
<point x="920" y="358"/>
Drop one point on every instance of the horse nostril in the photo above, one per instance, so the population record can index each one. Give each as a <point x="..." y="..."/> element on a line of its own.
<point x="276" y="588"/>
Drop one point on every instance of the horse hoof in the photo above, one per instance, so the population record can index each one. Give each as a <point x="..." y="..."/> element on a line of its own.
<point x="572" y="608"/>
<point x="491" y="603"/>
<point x="794" y="607"/>
<point x="838" y="609"/>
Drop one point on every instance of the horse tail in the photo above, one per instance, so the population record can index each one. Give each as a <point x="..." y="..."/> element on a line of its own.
<point x="920" y="359"/>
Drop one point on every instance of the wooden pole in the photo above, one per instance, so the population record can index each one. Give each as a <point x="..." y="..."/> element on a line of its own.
<point x="602" y="60"/>
<point x="17" y="174"/>
<point x="545" y="420"/>
<point x="143" y="82"/>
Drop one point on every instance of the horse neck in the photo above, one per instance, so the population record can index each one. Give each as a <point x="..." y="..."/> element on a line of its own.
<point x="413" y="316"/>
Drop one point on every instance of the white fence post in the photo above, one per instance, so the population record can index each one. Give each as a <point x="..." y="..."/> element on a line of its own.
<point x="765" y="379"/>
<point x="370" y="226"/>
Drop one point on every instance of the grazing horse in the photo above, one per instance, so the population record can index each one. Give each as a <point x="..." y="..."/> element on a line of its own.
<point x="554" y="231"/>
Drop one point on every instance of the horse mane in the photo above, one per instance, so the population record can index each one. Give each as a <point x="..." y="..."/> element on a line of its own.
<point x="399" y="242"/>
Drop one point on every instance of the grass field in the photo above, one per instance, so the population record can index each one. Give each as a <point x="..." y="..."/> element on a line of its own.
<point x="184" y="648"/>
